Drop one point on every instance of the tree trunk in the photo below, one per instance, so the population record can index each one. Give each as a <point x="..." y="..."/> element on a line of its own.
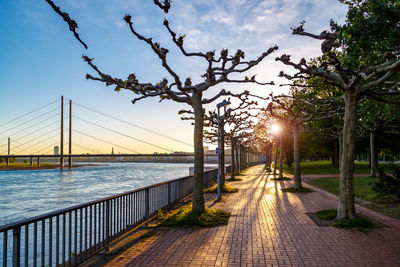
<point x="373" y="153"/>
<point x="276" y="157"/>
<point x="270" y="157"/>
<point x="346" y="207"/>
<point x="280" y="157"/>
<point x="237" y="159"/>
<point x="198" y="186"/>
<point x="233" y="167"/>
<point x="222" y="154"/>
<point x="242" y="163"/>
<point x="296" y="156"/>
<point x="335" y="156"/>
<point x="340" y="148"/>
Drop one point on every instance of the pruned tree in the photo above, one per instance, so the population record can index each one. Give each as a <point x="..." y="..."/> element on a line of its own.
<point x="361" y="76"/>
<point x="237" y="119"/>
<point x="296" y="109"/>
<point x="222" y="68"/>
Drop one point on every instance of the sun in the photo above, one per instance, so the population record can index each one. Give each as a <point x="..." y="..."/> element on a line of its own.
<point x="276" y="129"/>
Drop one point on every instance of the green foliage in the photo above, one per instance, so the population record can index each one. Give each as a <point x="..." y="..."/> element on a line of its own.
<point x="292" y="190"/>
<point x="325" y="167"/>
<point x="183" y="217"/>
<point x="234" y="179"/>
<point x="388" y="184"/>
<point x="147" y="235"/>
<point x="359" y="222"/>
<point x="362" y="188"/>
<point x="371" y="30"/>
<point x="284" y="178"/>
<point x="225" y="189"/>
<point x="329" y="214"/>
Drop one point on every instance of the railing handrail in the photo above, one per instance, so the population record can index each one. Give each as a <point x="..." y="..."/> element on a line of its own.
<point x="10" y="226"/>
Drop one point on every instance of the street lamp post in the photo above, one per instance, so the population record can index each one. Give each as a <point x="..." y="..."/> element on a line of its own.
<point x="280" y="156"/>
<point x="276" y="131"/>
<point x="219" y="105"/>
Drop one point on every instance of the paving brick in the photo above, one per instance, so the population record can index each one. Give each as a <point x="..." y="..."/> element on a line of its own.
<point x="269" y="228"/>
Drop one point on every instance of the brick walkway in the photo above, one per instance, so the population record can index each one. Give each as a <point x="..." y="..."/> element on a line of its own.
<point x="269" y="228"/>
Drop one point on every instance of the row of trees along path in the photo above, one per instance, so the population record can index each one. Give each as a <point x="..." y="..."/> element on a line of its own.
<point x="219" y="70"/>
<point x="363" y="61"/>
<point x="360" y="60"/>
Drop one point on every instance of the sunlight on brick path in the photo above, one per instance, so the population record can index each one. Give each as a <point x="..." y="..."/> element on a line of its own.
<point x="267" y="228"/>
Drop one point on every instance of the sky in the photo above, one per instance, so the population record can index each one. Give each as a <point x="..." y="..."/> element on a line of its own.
<point x="40" y="60"/>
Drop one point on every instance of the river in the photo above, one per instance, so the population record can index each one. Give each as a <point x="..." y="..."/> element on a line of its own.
<point x="24" y="194"/>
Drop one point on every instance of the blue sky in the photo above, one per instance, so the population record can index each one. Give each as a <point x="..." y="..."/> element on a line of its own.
<point x="41" y="60"/>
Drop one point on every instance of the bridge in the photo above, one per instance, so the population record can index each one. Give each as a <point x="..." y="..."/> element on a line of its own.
<point x="44" y="132"/>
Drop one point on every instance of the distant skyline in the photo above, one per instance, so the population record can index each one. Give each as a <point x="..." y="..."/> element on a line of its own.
<point x="40" y="60"/>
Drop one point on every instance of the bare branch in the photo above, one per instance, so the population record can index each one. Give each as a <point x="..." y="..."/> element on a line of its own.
<point x="164" y="6"/>
<point x="71" y="23"/>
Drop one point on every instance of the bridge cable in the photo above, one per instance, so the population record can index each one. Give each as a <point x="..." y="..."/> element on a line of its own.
<point x="36" y="143"/>
<point x="134" y="125"/>
<point x="87" y="148"/>
<point x="29" y="112"/>
<point x="31" y="121"/>
<point x="122" y="134"/>
<point x="88" y="135"/>
<point x="36" y="124"/>
<point x="16" y="140"/>
<point x="37" y="152"/>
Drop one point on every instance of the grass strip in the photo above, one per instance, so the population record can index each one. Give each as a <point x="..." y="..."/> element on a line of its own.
<point x="329" y="214"/>
<point x="225" y="189"/>
<point x="234" y="179"/>
<point x="284" y="178"/>
<point x="183" y="217"/>
<point x="301" y="190"/>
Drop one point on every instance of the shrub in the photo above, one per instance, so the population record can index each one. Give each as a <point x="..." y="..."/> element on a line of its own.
<point x="388" y="184"/>
<point x="329" y="214"/>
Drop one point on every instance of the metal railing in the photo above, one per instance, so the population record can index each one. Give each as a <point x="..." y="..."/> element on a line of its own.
<point x="69" y="236"/>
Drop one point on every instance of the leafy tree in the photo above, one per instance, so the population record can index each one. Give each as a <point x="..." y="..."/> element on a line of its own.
<point x="362" y="63"/>
<point x="296" y="109"/>
<point x="388" y="184"/>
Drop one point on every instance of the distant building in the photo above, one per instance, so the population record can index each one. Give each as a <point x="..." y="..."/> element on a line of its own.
<point x="56" y="150"/>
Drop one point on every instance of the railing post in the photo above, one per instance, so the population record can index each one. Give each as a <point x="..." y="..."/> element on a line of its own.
<point x="16" y="246"/>
<point x="146" y="203"/>
<point x="108" y="218"/>
<point x="5" y="243"/>
<point x="31" y="161"/>
<point x="169" y="194"/>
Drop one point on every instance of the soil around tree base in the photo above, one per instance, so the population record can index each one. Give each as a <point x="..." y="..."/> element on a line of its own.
<point x="325" y="223"/>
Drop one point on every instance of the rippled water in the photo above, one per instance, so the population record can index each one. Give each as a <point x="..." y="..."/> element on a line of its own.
<point x="24" y="194"/>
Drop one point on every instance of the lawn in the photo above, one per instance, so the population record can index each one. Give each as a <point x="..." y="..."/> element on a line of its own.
<point x="326" y="167"/>
<point x="362" y="189"/>
<point x="25" y="165"/>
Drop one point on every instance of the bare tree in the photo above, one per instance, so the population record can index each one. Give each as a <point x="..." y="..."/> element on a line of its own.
<point x="238" y="120"/>
<point x="219" y="70"/>
<point x="355" y="83"/>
